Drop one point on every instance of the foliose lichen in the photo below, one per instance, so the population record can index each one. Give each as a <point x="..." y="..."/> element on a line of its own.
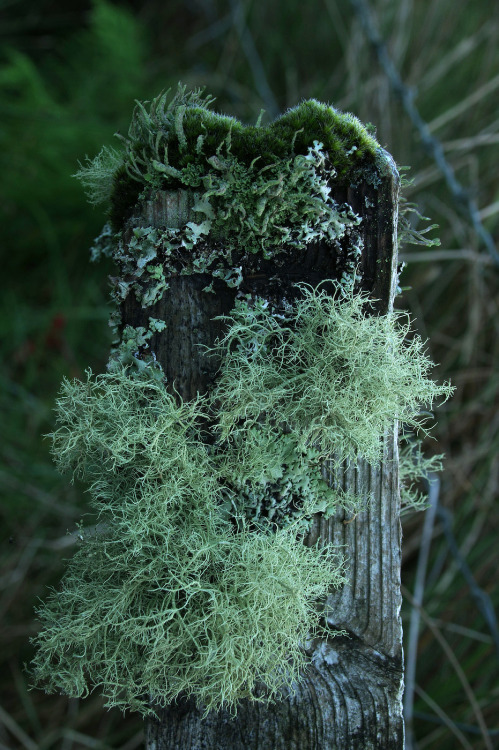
<point x="270" y="211"/>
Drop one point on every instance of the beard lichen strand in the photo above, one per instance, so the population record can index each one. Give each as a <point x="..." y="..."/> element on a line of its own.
<point x="167" y="599"/>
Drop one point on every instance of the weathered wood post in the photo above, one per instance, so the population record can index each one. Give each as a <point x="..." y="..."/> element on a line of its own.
<point x="244" y="431"/>
<point x="351" y="694"/>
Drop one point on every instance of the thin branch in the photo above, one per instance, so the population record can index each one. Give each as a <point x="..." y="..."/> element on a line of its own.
<point x="14" y="728"/>
<point x="412" y="646"/>
<point x="254" y="59"/>
<point x="210" y="33"/>
<point x="431" y="144"/>
<point x="465" y="104"/>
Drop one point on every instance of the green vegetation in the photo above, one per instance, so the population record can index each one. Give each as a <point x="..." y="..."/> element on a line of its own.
<point x="164" y="597"/>
<point x="269" y="478"/>
<point x="180" y="142"/>
<point x="335" y="375"/>
<point x="415" y="466"/>
<point x="271" y="211"/>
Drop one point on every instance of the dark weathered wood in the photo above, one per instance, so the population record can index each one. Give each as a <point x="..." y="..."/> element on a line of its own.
<point x="350" y="695"/>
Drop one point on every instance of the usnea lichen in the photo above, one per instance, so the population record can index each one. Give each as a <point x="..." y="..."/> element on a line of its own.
<point x="196" y="581"/>
<point x="166" y="598"/>
<point x="415" y="470"/>
<point x="336" y="376"/>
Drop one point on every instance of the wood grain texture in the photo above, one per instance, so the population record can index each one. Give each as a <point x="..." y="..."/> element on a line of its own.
<point x="351" y="693"/>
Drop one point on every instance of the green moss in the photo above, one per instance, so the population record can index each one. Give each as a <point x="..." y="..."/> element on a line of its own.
<point x="346" y="141"/>
<point x="168" y="136"/>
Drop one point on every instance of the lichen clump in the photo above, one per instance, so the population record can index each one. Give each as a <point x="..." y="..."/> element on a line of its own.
<point x="196" y="580"/>
<point x="164" y="597"/>
<point x="334" y="374"/>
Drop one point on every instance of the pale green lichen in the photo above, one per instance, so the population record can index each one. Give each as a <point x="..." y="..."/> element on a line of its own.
<point x="167" y="599"/>
<point x="334" y="374"/>
<point x="271" y="211"/>
<point x="104" y="245"/>
<point x="132" y="350"/>
<point x="197" y="582"/>
<point x="414" y="469"/>
<point x="269" y="479"/>
<point x="97" y="176"/>
<point x="285" y="203"/>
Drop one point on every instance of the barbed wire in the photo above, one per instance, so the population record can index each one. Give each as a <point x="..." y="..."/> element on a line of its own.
<point x="431" y="144"/>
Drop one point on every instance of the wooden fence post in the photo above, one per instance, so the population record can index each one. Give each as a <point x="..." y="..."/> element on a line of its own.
<point x="284" y="224"/>
<point x="351" y="696"/>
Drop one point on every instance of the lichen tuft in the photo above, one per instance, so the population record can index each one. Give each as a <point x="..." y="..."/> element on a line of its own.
<point x="165" y="597"/>
<point x="336" y="376"/>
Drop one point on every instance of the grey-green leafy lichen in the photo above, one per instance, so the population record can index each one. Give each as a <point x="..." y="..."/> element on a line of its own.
<point x="132" y="349"/>
<point x="271" y="211"/>
<point x="268" y="478"/>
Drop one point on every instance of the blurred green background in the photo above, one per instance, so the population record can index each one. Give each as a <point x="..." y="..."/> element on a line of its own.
<point x="68" y="77"/>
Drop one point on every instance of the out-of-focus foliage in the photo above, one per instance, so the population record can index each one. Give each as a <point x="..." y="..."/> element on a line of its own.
<point x="68" y="78"/>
